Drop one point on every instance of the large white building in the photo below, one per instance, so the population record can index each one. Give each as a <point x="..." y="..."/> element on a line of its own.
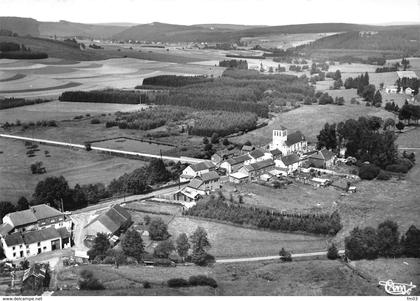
<point x="38" y="229"/>
<point x="288" y="143"/>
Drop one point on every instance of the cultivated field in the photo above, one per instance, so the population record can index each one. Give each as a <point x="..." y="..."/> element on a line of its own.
<point x="233" y="241"/>
<point x="133" y="145"/>
<point x="57" y="110"/>
<point x="309" y="120"/>
<point x="50" y="80"/>
<point x="79" y="166"/>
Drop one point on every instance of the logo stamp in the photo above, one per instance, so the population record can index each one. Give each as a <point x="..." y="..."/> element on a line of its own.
<point x="397" y="289"/>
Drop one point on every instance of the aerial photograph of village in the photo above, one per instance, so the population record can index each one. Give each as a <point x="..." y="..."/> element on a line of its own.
<point x="209" y="148"/>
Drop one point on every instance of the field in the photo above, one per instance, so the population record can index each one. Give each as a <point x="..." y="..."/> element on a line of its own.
<point x="154" y="207"/>
<point x="56" y="110"/>
<point x="133" y="145"/>
<point x="230" y="241"/>
<point x="401" y="270"/>
<point x="308" y="278"/>
<point x="295" y="197"/>
<point x="80" y="167"/>
<point x="49" y="77"/>
<point x="309" y="120"/>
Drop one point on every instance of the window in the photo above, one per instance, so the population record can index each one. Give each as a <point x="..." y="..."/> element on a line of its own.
<point x="39" y="244"/>
<point x="13" y="248"/>
<point x="20" y="246"/>
<point x="44" y="248"/>
<point x="27" y="252"/>
<point x="60" y="224"/>
<point x="14" y="254"/>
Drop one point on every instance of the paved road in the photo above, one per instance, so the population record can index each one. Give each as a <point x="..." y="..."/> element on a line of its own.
<point x="104" y="150"/>
<point x="249" y="259"/>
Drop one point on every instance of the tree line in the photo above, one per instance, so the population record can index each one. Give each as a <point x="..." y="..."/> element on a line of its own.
<point x="239" y="64"/>
<point x="12" y="102"/>
<point x="384" y="241"/>
<point x="220" y="209"/>
<point x="175" y="80"/>
<point x="104" y="96"/>
<point x="11" y="50"/>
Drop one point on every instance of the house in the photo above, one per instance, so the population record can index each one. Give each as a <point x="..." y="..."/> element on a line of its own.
<point x="37" y="217"/>
<point x="234" y="164"/>
<point x="221" y="156"/>
<point x="391" y="89"/>
<point x="257" y="155"/>
<point x="406" y="74"/>
<point x="187" y="194"/>
<point x="289" y="163"/>
<point x="247" y="148"/>
<point x="197" y="169"/>
<point x="38" y="229"/>
<point x="238" y="177"/>
<point x="322" y="159"/>
<point x="36" y="278"/>
<point x="109" y="222"/>
<point x="198" y="187"/>
<point x="254" y="170"/>
<point x="409" y="91"/>
<point x="288" y="143"/>
<point x="211" y="180"/>
<point x="275" y="153"/>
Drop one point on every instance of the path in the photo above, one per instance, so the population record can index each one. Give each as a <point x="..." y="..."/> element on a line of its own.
<point x="249" y="259"/>
<point x="104" y="150"/>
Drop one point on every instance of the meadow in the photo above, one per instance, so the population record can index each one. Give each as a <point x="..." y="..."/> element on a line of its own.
<point x="77" y="166"/>
<point x="309" y="119"/>
<point x="133" y="146"/>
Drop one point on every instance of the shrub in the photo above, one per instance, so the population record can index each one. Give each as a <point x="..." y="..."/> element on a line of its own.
<point x="285" y="255"/>
<point x="108" y="260"/>
<point x="368" y="171"/>
<point x="332" y="252"/>
<point x="88" y="282"/>
<point x="202" y="280"/>
<point x="177" y="282"/>
<point x="146" y="284"/>
<point x="383" y="176"/>
<point x="131" y="260"/>
<point x="95" y="121"/>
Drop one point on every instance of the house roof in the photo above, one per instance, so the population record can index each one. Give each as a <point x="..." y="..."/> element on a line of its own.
<point x="5" y="229"/>
<point x="290" y="159"/>
<point x="190" y="193"/>
<point x="210" y="176"/>
<point x="408" y="74"/>
<point x="40" y="235"/>
<point x="13" y="239"/>
<point x="33" y="214"/>
<point x="276" y="152"/>
<point x="35" y="270"/>
<point x="323" y="154"/>
<point x="262" y="164"/>
<point x="256" y="154"/>
<point x="112" y="219"/>
<point x="238" y="175"/>
<point x="239" y="159"/>
<point x="282" y="128"/>
<point x="195" y="183"/>
<point x="294" y="138"/>
<point x="248" y="148"/>
<point x="202" y="166"/>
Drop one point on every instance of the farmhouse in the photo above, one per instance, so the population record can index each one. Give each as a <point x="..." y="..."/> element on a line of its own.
<point x="198" y="187"/>
<point x="406" y="74"/>
<point x="33" y="231"/>
<point x="221" y="156"/>
<point x="391" y="89"/>
<point x="108" y="222"/>
<point x="287" y="144"/>
<point x="238" y="177"/>
<point x="234" y="164"/>
<point x="197" y="169"/>
<point x="257" y="155"/>
<point x="289" y="163"/>
<point x="322" y="159"/>
<point x="256" y="169"/>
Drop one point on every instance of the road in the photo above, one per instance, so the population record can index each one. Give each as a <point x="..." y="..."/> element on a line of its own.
<point x="104" y="150"/>
<point x="250" y="259"/>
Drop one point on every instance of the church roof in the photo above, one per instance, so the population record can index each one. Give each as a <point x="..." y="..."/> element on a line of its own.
<point x="294" y="138"/>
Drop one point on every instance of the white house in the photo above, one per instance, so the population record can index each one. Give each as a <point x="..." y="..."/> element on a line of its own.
<point x="196" y="170"/>
<point x="108" y="222"/>
<point x="290" y="163"/>
<point x="391" y="89"/>
<point x="199" y="186"/>
<point x="409" y="91"/>
<point x="38" y="229"/>
<point x="288" y="143"/>
<point x="257" y="155"/>
<point x="406" y="74"/>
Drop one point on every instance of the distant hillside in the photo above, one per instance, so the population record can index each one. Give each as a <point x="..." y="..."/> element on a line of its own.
<point x="225" y="33"/>
<point x="404" y="39"/>
<point x="70" y="29"/>
<point x="21" y="26"/>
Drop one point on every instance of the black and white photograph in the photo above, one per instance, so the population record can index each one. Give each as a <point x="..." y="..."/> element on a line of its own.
<point x="209" y="148"/>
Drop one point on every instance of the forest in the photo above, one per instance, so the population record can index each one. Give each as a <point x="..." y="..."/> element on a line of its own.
<point x="10" y="50"/>
<point x="12" y="102"/>
<point x="174" y="80"/>
<point x="104" y="96"/>
<point x="220" y="209"/>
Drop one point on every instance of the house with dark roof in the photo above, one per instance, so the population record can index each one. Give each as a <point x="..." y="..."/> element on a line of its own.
<point x="197" y="169"/>
<point x="36" y="278"/>
<point x="256" y="169"/>
<point x="38" y="229"/>
<point x="109" y="221"/>
<point x="234" y="164"/>
<point x="288" y="163"/>
<point x="322" y="159"/>
<point x="257" y="155"/>
<point x="223" y="155"/>
<point x="288" y="143"/>
<point x="198" y="187"/>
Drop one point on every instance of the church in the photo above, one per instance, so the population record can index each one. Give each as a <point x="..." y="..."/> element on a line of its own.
<point x="288" y="143"/>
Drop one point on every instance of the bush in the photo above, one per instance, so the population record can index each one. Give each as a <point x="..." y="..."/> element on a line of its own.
<point x="285" y="256"/>
<point x="383" y="176"/>
<point x="332" y="252"/>
<point x="146" y="284"/>
<point x="88" y="282"/>
<point x="402" y="165"/>
<point x="95" y="121"/>
<point x="108" y="260"/>
<point x="202" y="280"/>
<point x="368" y="171"/>
<point x="131" y="260"/>
<point x="177" y="282"/>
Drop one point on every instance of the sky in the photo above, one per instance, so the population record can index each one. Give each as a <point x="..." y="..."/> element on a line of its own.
<point x="250" y="12"/>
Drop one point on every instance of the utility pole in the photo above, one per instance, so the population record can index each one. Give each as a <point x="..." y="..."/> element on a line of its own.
<point x="62" y="205"/>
